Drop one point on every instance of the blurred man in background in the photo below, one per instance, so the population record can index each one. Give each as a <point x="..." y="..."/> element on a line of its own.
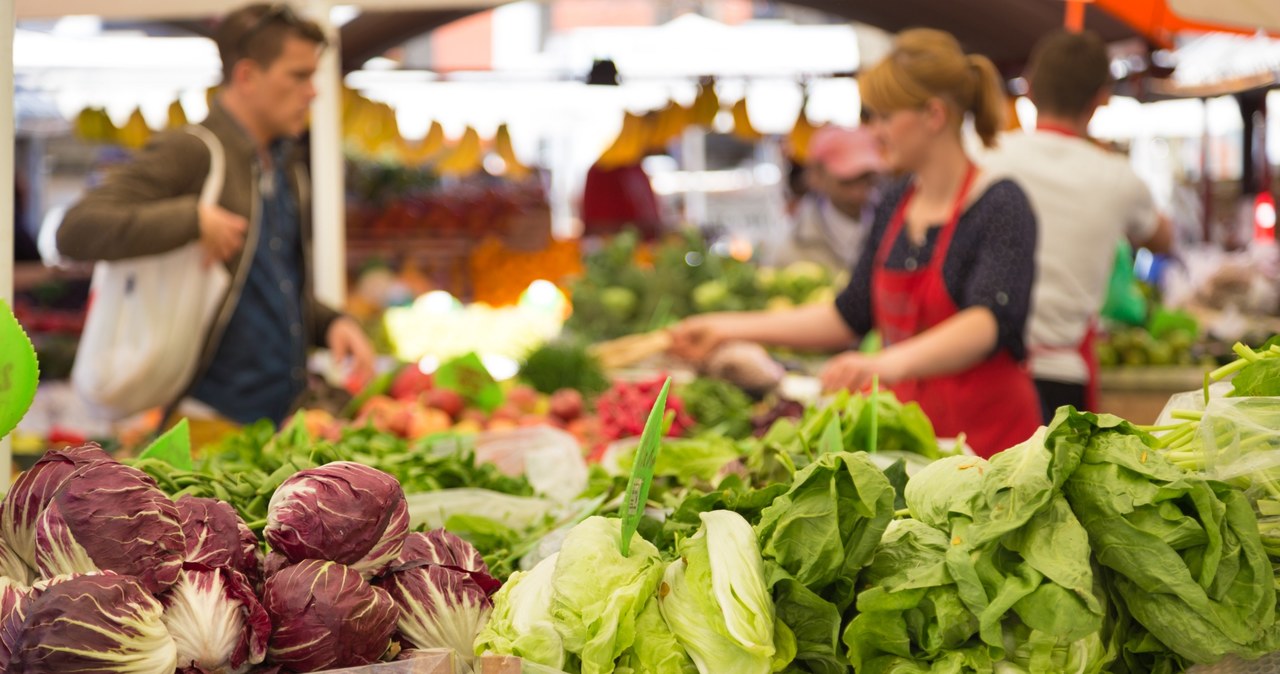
<point x="253" y="364"/>
<point x="1086" y="199"/>
<point x="832" y="220"/>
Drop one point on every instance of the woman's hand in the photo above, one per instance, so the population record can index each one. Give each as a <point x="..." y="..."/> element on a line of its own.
<point x="693" y="339"/>
<point x="854" y="371"/>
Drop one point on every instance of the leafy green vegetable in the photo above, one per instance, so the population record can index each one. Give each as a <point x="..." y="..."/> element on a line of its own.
<point x="521" y="624"/>
<point x="815" y="539"/>
<point x="715" y="599"/>
<point x="826" y="527"/>
<point x="692" y="461"/>
<point x="1188" y="562"/>
<point x="718" y="407"/>
<point x="597" y="593"/>
<point x="656" y="650"/>
<point x="910" y="617"/>
<point x="946" y="487"/>
<point x="564" y="365"/>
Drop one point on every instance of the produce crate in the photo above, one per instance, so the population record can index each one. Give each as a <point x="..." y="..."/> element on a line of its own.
<point x="1139" y="394"/>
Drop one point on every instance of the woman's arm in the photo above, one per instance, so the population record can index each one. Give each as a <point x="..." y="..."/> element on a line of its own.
<point x="817" y="327"/>
<point x="952" y="346"/>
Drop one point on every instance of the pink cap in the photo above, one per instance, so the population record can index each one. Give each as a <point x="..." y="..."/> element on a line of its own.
<point x="844" y="152"/>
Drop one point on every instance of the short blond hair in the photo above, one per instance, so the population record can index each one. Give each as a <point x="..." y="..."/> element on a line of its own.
<point x="926" y="64"/>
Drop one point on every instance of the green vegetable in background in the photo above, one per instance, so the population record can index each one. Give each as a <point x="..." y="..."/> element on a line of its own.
<point x="565" y="364"/>
<point x="597" y="593"/>
<point x="1188" y="562"/>
<point x="715" y="600"/>
<point x="692" y="461"/>
<point x="718" y="407"/>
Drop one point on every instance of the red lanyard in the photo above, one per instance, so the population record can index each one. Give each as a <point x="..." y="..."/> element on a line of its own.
<point x="1055" y="128"/>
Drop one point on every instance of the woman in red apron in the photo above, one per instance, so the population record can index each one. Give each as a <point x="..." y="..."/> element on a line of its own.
<point x="946" y="276"/>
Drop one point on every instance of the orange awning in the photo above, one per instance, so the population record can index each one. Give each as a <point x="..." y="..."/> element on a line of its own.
<point x="1161" y="20"/>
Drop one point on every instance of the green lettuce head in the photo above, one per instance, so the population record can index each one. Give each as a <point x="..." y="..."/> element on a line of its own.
<point x="521" y="623"/>
<point x="597" y="593"/>
<point x="715" y="600"/>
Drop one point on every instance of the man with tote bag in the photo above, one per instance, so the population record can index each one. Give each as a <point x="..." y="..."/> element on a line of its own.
<point x="202" y="299"/>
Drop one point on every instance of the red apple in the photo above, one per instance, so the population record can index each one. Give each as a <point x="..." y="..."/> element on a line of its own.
<point x="566" y="404"/>
<point x="508" y="412"/>
<point x="532" y="420"/>
<point x="410" y="383"/>
<point x="450" y="402"/>
<point x="502" y="424"/>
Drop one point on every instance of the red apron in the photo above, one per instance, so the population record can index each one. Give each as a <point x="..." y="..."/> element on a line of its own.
<point x="994" y="403"/>
<point x="1087" y="349"/>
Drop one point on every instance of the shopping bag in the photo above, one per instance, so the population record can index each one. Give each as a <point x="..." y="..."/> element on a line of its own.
<point x="1125" y="302"/>
<point x="149" y="318"/>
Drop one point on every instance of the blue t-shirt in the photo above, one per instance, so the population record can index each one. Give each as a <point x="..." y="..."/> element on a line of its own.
<point x="259" y="369"/>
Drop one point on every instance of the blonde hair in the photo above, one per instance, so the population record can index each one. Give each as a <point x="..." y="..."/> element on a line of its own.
<point x="927" y="63"/>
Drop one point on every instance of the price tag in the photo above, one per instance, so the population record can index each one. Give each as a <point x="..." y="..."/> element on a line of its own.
<point x="19" y="371"/>
<point x="174" y="447"/>
<point x="468" y="377"/>
<point x="642" y="471"/>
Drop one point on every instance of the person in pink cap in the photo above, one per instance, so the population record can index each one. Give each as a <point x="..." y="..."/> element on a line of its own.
<point x="833" y="219"/>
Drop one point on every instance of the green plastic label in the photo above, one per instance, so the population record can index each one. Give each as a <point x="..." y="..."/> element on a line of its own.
<point x="468" y="377"/>
<point x="19" y="371"/>
<point x="642" y="471"/>
<point x="174" y="447"/>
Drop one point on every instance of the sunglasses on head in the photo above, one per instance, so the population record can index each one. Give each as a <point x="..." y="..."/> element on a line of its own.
<point x="280" y="11"/>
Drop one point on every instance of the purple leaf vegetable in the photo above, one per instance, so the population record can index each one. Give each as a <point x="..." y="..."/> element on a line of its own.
<point x="94" y="623"/>
<point x="34" y="489"/>
<point x="216" y="621"/>
<point x="217" y="538"/>
<point x="326" y="616"/>
<point x="442" y="588"/>
<point x="111" y="517"/>
<point x="338" y="512"/>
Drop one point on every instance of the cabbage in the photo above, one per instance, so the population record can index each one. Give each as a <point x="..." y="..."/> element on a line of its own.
<point x="715" y="600"/>
<point x="12" y="567"/>
<point x="441" y="547"/>
<point x="251" y="558"/>
<point x="216" y="621"/>
<point x="443" y="603"/>
<point x="95" y="623"/>
<point x="108" y="516"/>
<point x="389" y="546"/>
<point x="521" y="622"/>
<point x="597" y="593"/>
<point x="216" y="537"/>
<point x="12" y="613"/>
<point x="34" y="489"/>
<point x="338" y="512"/>
<point x="325" y="616"/>
<point x="948" y="485"/>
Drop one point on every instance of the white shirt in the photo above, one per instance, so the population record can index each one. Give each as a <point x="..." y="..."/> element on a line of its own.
<point x="821" y="233"/>
<point x="1086" y="200"/>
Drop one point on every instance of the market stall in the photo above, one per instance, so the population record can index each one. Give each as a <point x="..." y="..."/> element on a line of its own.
<point x="532" y="485"/>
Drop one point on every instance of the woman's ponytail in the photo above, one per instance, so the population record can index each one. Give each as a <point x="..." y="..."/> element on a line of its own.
<point x="988" y="106"/>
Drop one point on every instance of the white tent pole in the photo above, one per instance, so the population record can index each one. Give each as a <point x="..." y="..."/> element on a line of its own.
<point x="327" y="187"/>
<point x="7" y="150"/>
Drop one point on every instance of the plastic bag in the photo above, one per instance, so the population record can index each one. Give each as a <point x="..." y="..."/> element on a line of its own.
<point x="1124" y="303"/>
<point x="548" y="457"/>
